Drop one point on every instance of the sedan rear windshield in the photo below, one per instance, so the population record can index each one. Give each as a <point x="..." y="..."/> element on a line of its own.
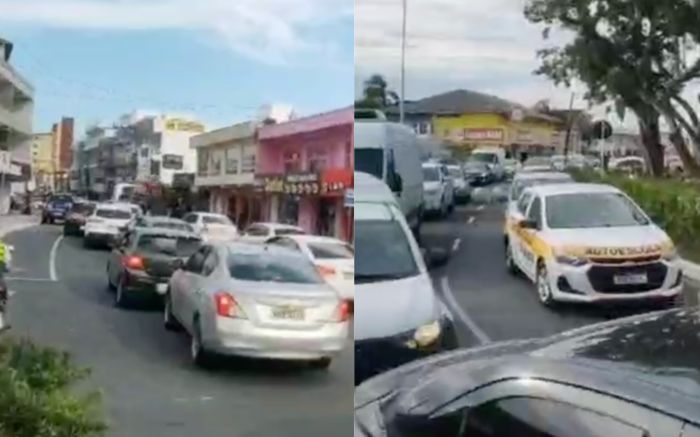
<point x="82" y="208"/>
<point x="456" y="172"/>
<point x="431" y="174"/>
<point x="267" y="267"/>
<point x="215" y="220"/>
<point x="383" y="252"/>
<point x="520" y="186"/>
<point x="331" y="251"/>
<point x="370" y="161"/>
<point x="113" y="214"/>
<point x="172" y="225"/>
<point x="168" y="245"/>
<point x="289" y="231"/>
<point x="489" y="158"/>
<point x="592" y="210"/>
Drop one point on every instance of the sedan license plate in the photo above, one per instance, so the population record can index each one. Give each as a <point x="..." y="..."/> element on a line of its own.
<point x="288" y="313"/>
<point x="631" y="279"/>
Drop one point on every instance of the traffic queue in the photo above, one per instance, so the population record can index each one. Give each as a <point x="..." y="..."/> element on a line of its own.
<point x="271" y="291"/>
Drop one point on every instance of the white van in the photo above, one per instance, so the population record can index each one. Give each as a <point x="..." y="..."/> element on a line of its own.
<point x="390" y="152"/>
<point x="494" y="157"/>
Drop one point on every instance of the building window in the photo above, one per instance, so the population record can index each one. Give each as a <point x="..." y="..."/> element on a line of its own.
<point x="248" y="164"/>
<point x="216" y="158"/>
<point x="202" y="162"/>
<point x="231" y="161"/>
<point x="318" y="161"/>
<point x="292" y="161"/>
<point x="349" y="154"/>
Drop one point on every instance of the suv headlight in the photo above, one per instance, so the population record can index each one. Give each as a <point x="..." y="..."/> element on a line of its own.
<point x="670" y="254"/>
<point x="571" y="260"/>
<point x="425" y="335"/>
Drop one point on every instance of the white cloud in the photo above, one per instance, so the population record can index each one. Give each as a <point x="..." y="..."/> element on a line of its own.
<point x="272" y="31"/>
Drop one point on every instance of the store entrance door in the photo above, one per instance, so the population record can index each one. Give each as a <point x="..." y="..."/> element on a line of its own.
<point x="326" y="218"/>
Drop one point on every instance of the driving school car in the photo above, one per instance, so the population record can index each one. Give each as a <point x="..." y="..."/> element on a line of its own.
<point x="590" y="243"/>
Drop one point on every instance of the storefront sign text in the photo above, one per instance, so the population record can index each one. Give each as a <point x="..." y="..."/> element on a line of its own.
<point x="483" y="134"/>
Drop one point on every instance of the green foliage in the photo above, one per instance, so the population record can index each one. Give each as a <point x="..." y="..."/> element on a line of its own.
<point x="36" y="399"/>
<point x="674" y="204"/>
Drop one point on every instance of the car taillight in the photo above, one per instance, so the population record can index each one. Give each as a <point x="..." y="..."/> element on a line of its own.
<point x="342" y="313"/>
<point x="133" y="262"/>
<point x="326" y="271"/>
<point x="226" y="306"/>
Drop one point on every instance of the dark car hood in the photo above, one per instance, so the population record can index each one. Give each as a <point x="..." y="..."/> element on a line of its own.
<point x="661" y="344"/>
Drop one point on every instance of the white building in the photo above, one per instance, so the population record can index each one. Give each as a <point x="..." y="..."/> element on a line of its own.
<point x="16" y="112"/>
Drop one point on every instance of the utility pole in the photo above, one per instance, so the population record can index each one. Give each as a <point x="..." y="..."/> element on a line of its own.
<point x="403" y="65"/>
<point x="569" y="123"/>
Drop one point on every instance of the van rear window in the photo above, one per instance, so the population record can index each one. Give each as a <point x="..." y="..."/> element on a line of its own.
<point x="370" y="161"/>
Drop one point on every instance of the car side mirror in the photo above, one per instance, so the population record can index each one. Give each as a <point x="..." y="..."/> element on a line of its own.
<point x="528" y="224"/>
<point x="435" y="257"/>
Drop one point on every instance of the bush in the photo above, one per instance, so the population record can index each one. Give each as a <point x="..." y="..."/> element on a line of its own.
<point x="673" y="204"/>
<point x="36" y="399"/>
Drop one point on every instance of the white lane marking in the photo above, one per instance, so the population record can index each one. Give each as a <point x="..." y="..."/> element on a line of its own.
<point x="480" y="335"/>
<point x="480" y="207"/>
<point x="18" y="278"/>
<point x="455" y="245"/>
<point x="52" y="258"/>
<point x="471" y="220"/>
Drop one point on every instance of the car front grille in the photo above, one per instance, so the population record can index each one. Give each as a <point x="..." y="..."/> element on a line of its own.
<point x="602" y="277"/>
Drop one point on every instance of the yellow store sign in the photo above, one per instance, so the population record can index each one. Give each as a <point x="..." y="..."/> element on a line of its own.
<point x="182" y="125"/>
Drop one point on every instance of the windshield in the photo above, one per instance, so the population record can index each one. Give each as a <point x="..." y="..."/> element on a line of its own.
<point x="113" y="214"/>
<point x="489" y="158"/>
<point x="266" y="267"/>
<point x="83" y="208"/>
<point x="455" y="172"/>
<point x="60" y="200"/>
<point x="383" y="251"/>
<point x="172" y="225"/>
<point x="215" y="220"/>
<point x="520" y="186"/>
<point x="431" y="174"/>
<point x="370" y="161"/>
<point x="331" y="251"/>
<point x="180" y="247"/>
<point x="289" y="231"/>
<point x="475" y="167"/>
<point x="592" y="210"/>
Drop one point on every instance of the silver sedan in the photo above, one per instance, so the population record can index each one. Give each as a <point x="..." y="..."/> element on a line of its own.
<point x="256" y="301"/>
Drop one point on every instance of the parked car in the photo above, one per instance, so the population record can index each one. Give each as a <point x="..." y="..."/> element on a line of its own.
<point x="77" y="217"/>
<point x="537" y="164"/>
<point x="494" y="157"/>
<point x="141" y="264"/>
<point x="632" y="165"/>
<point x="399" y="315"/>
<point x="635" y="376"/>
<point x="438" y="190"/>
<point x="107" y="224"/>
<point x="462" y="187"/>
<point x="591" y="243"/>
<point x="57" y="207"/>
<point x="212" y="227"/>
<point x="478" y="174"/>
<point x="259" y="301"/>
<point x="163" y="222"/>
<point x="521" y="181"/>
<point x="391" y="152"/>
<point x="334" y="259"/>
<point x="262" y="232"/>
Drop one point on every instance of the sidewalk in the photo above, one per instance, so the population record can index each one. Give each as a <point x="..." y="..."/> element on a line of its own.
<point x="16" y="222"/>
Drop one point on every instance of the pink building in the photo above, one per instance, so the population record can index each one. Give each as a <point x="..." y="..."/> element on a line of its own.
<point x="306" y="167"/>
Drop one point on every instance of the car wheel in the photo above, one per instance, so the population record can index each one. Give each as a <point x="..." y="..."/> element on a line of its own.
<point x="544" y="290"/>
<point x="198" y="354"/>
<point x="169" y="320"/>
<point x="321" y="363"/>
<point x="510" y="262"/>
<point x="121" y="297"/>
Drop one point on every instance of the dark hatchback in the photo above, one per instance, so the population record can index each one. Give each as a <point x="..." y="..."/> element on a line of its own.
<point x="76" y="218"/>
<point x="141" y="264"/>
<point x="57" y="207"/>
<point x="638" y="376"/>
<point x="478" y="174"/>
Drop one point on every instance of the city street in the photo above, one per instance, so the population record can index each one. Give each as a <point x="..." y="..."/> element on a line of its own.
<point x="489" y="303"/>
<point x="149" y="386"/>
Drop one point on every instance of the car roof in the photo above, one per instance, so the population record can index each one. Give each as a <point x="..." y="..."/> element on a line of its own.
<point x="432" y="164"/>
<point x="241" y="247"/>
<point x="114" y="206"/>
<point x="649" y="359"/>
<point x="572" y="188"/>
<point x="314" y="239"/>
<point x="163" y="218"/>
<point x="273" y="225"/>
<point x="165" y="231"/>
<point x="541" y="175"/>
<point x="369" y="189"/>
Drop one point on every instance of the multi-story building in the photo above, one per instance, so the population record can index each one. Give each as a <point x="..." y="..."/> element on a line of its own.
<point x="16" y="112"/>
<point x="43" y="165"/>
<point x="62" y="153"/>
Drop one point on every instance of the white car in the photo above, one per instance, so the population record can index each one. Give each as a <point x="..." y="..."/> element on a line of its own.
<point x="212" y="227"/>
<point x="591" y="243"/>
<point x="261" y="232"/>
<point x="438" y="190"/>
<point x="107" y="223"/>
<point x="522" y="181"/>
<point x="334" y="259"/>
<point x="462" y="187"/>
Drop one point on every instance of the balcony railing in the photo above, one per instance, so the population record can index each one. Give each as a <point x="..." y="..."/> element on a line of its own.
<point x="9" y="73"/>
<point x="17" y="121"/>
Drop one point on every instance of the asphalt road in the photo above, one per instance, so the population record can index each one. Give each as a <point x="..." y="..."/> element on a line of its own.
<point x="149" y="386"/>
<point x="489" y="303"/>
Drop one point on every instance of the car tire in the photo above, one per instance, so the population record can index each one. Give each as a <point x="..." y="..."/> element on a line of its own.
<point x="121" y="296"/>
<point x="321" y="363"/>
<point x="511" y="267"/>
<point x="169" y="321"/>
<point x="198" y="354"/>
<point x="544" y="290"/>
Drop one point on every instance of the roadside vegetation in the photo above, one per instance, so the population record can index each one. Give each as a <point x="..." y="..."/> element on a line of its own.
<point x="39" y="397"/>
<point x="672" y="203"/>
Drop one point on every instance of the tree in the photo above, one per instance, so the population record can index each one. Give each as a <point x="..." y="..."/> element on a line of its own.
<point x="376" y="94"/>
<point x="631" y="52"/>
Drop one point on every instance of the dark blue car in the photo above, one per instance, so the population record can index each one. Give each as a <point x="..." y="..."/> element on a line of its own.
<point x="57" y="208"/>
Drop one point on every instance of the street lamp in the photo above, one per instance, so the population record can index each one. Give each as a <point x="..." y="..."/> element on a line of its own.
<point x="403" y="65"/>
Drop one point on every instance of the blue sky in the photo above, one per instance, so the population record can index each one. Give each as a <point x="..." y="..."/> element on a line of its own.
<point x="98" y="59"/>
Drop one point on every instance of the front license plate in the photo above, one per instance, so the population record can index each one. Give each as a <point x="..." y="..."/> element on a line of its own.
<point x="288" y="313"/>
<point x="161" y="288"/>
<point x="632" y="279"/>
